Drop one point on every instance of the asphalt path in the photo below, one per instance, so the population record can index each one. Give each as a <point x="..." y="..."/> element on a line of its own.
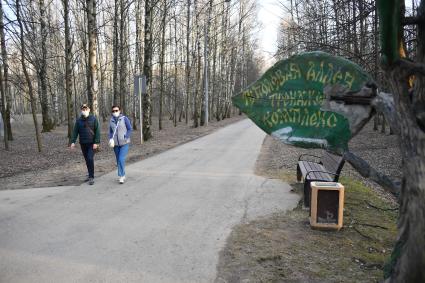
<point x="167" y="223"/>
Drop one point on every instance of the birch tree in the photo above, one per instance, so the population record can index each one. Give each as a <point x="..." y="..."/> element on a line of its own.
<point x="70" y="45"/>
<point x="187" y="60"/>
<point x="92" y="39"/>
<point x="161" y="61"/>
<point x="5" y="93"/>
<point x="68" y="68"/>
<point x="147" y="70"/>
<point x="27" y="77"/>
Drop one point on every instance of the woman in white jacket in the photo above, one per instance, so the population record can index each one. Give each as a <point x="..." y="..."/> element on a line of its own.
<point x="119" y="138"/>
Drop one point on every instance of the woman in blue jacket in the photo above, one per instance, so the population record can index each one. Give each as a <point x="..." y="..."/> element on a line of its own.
<point x="119" y="138"/>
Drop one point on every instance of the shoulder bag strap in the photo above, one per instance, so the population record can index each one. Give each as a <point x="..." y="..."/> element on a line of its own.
<point x="115" y="130"/>
<point x="86" y="125"/>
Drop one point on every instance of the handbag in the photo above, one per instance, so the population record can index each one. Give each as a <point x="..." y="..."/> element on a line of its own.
<point x="111" y="140"/>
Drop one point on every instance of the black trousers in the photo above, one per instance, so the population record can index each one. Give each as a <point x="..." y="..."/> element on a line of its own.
<point x="87" y="149"/>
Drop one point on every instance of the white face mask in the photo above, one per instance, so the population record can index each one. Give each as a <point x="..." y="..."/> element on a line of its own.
<point x="85" y="113"/>
<point x="116" y="114"/>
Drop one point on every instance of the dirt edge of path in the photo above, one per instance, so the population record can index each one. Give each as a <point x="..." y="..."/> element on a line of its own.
<point x="282" y="247"/>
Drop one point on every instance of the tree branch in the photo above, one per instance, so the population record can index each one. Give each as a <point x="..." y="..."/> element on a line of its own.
<point x="384" y="103"/>
<point x="372" y="225"/>
<point x="380" y="208"/>
<point x="411" y="21"/>
<point x="411" y="68"/>
<point x="364" y="235"/>
<point x="371" y="173"/>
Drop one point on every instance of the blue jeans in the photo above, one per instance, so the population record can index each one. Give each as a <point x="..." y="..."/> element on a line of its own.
<point x="88" y="153"/>
<point x="121" y="154"/>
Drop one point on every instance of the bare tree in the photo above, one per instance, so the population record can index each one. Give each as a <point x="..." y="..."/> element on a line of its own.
<point x="68" y="68"/>
<point x="3" y="111"/>
<point x="123" y="51"/>
<point x="139" y="45"/>
<point x="115" y="51"/>
<point x="408" y="117"/>
<point x="5" y="98"/>
<point x="161" y="61"/>
<point x="47" y="123"/>
<point x="147" y="70"/>
<point x="176" y="57"/>
<point x="27" y="77"/>
<point x="92" y="35"/>
<point x="111" y="41"/>
<point x="187" y="61"/>
<point x="196" y="94"/>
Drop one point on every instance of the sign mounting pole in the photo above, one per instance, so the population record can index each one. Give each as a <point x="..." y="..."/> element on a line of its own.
<point x="139" y="90"/>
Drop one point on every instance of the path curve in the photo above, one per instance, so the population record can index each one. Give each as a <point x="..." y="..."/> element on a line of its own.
<point x="167" y="223"/>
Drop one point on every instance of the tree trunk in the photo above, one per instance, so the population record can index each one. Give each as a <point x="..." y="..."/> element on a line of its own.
<point x="102" y="58"/>
<point x="176" y="56"/>
<point x="55" y="105"/>
<point x="75" y="94"/>
<point x="147" y="70"/>
<point x="161" y="63"/>
<point x="123" y="57"/>
<point x="3" y="110"/>
<point x="92" y="31"/>
<point x="234" y="62"/>
<point x="221" y="96"/>
<point x="115" y="52"/>
<point x="55" y="119"/>
<point x="27" y="77"/>
<point x="83" y="46"/>
<point x="7" y="94"/>
<point x="196" y="95"/>
<point x="47" y="123"/>
<point x="409" y="253"/>
<point x="138" y="59"/>
<point x="214" y="72"/>
<point x="227" y="69"/>
<point x="187" y="61"/>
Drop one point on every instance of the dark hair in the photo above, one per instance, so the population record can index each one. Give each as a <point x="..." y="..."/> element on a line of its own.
<point x="116" y="106"/>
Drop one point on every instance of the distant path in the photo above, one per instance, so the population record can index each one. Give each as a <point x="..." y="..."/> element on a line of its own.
<point x="167" y="223"/>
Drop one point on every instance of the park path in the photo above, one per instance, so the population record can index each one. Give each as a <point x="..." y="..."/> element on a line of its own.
<point x="167" y="223"/>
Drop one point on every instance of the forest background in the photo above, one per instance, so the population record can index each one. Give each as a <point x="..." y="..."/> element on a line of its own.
<point x="57" y="55"/>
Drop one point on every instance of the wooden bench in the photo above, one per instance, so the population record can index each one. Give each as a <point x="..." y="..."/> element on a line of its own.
<point x="325" y="168"/>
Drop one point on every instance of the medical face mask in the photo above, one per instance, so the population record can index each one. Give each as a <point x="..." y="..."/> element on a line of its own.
<point x="116" y="114"/>
<point x="85" y="113"/>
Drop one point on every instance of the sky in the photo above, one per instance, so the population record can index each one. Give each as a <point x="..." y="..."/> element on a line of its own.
<point x="269" y="15"/>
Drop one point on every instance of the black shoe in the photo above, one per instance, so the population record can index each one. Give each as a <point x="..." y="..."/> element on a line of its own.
<point x="86" y="179"/>
<point x="91" y="181"/>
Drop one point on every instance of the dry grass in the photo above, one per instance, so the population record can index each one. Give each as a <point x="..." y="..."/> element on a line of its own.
<point x="283" y="247"/>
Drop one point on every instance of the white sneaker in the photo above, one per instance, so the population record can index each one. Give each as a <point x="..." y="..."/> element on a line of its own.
<point x="122" y="179"/>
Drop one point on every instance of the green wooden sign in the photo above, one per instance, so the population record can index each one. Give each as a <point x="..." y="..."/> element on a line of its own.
<point x="286" y="101"/>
